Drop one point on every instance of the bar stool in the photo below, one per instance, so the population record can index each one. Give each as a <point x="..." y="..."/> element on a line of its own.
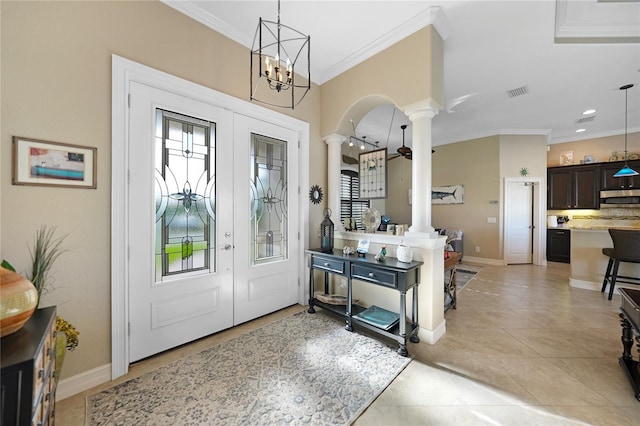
<point x="626" y="248"/>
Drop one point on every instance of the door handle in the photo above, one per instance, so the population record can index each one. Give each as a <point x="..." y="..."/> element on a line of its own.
<point x="226" y="247"/>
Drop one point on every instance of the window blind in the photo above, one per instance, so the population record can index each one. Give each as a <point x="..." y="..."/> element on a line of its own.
<point x="350" y="204"/>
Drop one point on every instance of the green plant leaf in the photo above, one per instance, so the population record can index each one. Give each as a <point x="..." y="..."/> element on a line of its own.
<point x="6" y="265"/>
<point x="45" y="251"/>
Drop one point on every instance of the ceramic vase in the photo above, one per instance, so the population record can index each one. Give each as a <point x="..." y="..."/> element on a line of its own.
<point x="18" y="301"/>
<point x="405" y="254"/>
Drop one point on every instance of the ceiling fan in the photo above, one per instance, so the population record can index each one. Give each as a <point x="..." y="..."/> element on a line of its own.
<point x="403" y="151"/>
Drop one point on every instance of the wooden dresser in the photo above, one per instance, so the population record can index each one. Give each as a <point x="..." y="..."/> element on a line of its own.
<point x="28" y="359"/>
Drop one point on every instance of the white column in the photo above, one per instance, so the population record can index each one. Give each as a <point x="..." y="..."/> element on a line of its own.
<point x="334" y="152"/>
<point x="421" y="115"/>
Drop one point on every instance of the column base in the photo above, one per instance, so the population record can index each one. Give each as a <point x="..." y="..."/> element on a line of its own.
<point x="427" y="232"/>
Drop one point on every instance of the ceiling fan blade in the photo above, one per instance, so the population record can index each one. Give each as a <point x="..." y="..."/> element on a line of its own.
<point x="457" y="101"/>
<point x="403" y="150"/>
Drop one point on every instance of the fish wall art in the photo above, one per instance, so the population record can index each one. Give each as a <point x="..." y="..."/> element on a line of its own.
<point x="451" y="194"/>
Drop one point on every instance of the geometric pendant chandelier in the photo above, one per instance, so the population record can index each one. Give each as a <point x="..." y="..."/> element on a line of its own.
<point x="626" y="170"/>
<point x="280" y="64"/>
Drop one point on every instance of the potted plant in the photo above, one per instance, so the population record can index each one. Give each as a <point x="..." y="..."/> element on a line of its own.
<point x="46" y="249"/>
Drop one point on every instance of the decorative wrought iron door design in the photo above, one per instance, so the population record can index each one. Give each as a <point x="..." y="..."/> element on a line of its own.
<point x="185" y="195"/>
<point x="268" y="199"/>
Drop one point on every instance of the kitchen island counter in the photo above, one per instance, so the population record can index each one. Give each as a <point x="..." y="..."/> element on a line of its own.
<point x="588" y="264"/>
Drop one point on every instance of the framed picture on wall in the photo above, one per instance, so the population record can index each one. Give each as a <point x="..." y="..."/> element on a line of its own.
<point x="373" y="174"/>
<point x="44" y="163"/>
<point x="566" y="158"/>
<point x="450" y="194"/>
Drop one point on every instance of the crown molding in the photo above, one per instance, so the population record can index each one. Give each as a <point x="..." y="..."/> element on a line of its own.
<point x="583" y="137"/>
<point x="196" y="13"/>
<point x="525" y="132"/>
<point x="430" y="16"/>
<point x="499" y="132"/>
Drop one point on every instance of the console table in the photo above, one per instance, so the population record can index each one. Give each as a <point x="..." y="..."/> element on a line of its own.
<point x="390" y="273"/>
<point x="451" y="285"/>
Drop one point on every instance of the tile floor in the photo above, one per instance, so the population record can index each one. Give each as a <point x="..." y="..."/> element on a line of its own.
<point x="521" y="349"/>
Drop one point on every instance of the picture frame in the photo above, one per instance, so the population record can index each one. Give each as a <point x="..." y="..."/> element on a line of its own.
<point x="363" y="246"/>
<point x="566" y="158"/>
<point x="450" y="194"/>
<point x="373" y="174"/>
<point x="45" y="163"/>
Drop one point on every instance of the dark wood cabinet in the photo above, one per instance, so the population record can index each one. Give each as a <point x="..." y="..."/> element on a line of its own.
<point x="559" y="245"/>
<point x="609" y="182"/>
<point x="573" y="187"/>
<point x="28" y="387"/>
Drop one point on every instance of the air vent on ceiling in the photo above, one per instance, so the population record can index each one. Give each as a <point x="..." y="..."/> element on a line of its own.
<point x="585" y="119"/>
<point x="523" y="90"/>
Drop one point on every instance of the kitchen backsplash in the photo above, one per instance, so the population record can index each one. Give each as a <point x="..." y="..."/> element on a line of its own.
<point x="600" y="218"/>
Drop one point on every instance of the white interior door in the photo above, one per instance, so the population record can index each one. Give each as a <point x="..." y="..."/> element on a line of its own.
<point x="268" y="251"/>
<point x="519" y="222"/>
<point x="180" y="220"/>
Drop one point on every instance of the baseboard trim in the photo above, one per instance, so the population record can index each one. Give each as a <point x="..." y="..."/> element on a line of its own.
<point x="432" y="336"/>
<point x="585" y="285"/>
<point x="482" y="260"/>
<point x="81" y="382"/>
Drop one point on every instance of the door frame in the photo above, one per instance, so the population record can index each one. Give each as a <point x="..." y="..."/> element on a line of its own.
<point x="539" y="218"/>
<point x="123" y="72"/>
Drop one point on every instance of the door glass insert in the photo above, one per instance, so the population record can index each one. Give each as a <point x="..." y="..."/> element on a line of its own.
<point x="184" y="195"/>
<point x="268" y="218"/>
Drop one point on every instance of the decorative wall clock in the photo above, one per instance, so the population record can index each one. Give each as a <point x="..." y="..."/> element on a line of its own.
<point x="315" y="194"/>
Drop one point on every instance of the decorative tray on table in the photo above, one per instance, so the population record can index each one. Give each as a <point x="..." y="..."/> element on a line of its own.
<point x="379" y="317"/>
<point x="332" y="299"/>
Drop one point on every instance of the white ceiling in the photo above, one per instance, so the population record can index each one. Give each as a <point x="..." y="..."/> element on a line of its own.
<point x="571" y="56"/>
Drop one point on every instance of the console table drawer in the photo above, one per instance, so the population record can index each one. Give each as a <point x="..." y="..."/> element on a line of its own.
<point x="330" y="265"/>
<point x="375" y="276"/>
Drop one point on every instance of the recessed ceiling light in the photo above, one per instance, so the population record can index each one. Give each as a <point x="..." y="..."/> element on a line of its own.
<point x="589" y="111"/>
<point x="581" y="130"/>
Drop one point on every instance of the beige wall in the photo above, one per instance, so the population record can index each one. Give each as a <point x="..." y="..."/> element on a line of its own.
<point x="397" y="203"/>
<point x="382" y="79"/>
<point x="476" y="165"/>
<point x="523" y="151"/>
<point x="56" y="85"/>
<point x="600" y="148"/>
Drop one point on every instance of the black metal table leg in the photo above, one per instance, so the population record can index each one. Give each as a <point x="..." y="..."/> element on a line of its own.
<point x="311" y="309"/>
<point x="627" y="338"/>
<point x="414" y="316"/>
<point x="349" y="326"/>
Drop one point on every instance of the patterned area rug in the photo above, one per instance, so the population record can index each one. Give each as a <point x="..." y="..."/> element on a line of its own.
<point x="463" y="276"/>
<point x="303" y="369"/>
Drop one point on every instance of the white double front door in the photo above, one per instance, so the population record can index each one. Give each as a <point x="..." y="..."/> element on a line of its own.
<point x="213" y="227"/>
